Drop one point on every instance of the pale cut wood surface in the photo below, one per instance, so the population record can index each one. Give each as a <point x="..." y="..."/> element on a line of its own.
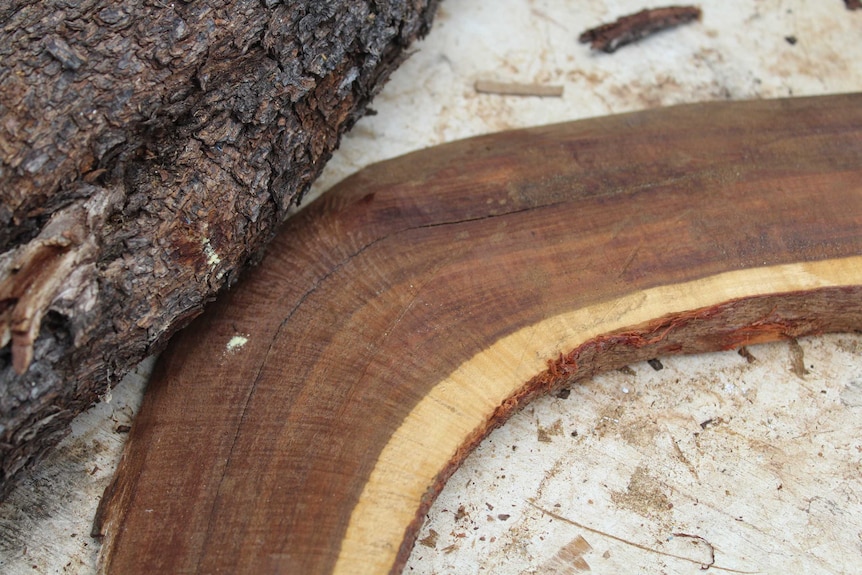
<point x="308" y="424"/>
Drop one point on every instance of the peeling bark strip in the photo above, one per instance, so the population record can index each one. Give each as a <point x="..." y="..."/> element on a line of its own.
<point x="628" y="29"/>
<point x="450" y="287"/>
<point x="147" y="152"/>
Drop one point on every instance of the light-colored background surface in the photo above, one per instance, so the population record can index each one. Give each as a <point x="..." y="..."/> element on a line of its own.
<point x="755" y="463"/>
<point x="772" y="485"/>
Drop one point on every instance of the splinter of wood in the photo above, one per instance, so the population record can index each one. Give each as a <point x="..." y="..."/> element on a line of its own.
<point x="510" y="89"/>
<point x="628" y="29"/>
<point x="306" y="422"/>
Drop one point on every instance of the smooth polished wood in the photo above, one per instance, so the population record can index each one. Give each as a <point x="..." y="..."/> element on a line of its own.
<point x="308" y="419"/>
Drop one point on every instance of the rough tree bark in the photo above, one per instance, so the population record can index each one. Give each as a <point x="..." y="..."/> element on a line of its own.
<point x="147" y="152"/>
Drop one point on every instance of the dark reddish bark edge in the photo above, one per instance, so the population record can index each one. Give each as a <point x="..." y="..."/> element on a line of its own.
<point x="730" y="325"/>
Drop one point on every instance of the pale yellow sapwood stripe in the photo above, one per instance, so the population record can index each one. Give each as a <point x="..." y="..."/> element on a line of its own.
<point x="463" y="401"/>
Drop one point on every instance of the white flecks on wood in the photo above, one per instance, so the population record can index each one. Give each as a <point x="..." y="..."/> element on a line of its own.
<point x="236" y="343"/>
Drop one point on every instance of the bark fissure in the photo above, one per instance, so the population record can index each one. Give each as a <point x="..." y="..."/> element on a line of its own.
<point x="204" y="123"/>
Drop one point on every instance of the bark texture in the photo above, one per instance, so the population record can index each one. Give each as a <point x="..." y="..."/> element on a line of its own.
<point x="147" y="152"/>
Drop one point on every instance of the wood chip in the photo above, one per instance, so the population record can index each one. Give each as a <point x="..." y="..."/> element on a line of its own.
<point x="744" y="352"/>
<point x="609" y="37"/>
<point x="509" y="89"/>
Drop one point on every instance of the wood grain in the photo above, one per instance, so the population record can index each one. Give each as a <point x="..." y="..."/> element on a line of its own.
<point x="308" y="419"/>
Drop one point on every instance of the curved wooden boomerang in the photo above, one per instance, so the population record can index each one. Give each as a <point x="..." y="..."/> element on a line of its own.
<point x="308" y="419"/>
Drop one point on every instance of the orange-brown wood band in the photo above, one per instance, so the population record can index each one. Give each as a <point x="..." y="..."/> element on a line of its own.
<point x="266" y="419"/>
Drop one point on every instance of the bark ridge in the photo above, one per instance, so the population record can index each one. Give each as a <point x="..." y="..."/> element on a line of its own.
<point x="148" y="151"/>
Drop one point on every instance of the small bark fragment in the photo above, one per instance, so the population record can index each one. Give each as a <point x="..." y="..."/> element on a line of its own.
<point x="628" y="29"/>
<point x="853" y="4"/>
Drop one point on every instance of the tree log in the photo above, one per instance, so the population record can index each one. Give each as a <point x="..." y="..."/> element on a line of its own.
<point x="147" y="152"/>
<point x="307" y="421"/>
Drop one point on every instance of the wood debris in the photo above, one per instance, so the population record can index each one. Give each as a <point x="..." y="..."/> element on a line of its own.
<point x="512" y="89"/>
<point x="628" y="29"/>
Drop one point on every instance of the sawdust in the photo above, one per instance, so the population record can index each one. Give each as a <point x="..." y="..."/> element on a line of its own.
<point x="545" y="434"/>
<point x="797" y="359"/>
<point x="640" y="432"/>
<point x="644" y="495"/>
<point x="430" y="540"/>
<point x="848" y="345"/>
<point x="609" y="419"/>
<point x="569" y="559"/>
